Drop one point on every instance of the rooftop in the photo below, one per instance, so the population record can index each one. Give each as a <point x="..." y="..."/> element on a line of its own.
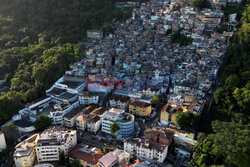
<point x="139" y="103"/>
<point x="123" y="99"/>
<point x="93" y="119"/>
<point x="108" y="159"/>
<point x="24" y="123"/>
<point x="71" y="84"/>
<point x="89" y="157"/>
<point x="114" y="112"/>
<point x="74" y="112"/>
<point x="89" y="94"/>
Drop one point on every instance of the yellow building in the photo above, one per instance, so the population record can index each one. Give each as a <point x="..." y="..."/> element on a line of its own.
<point x="168" y="114"/>
<point x="140" y="108"/>
<point x="25" y="152"/>
<point x="165" y="115"/>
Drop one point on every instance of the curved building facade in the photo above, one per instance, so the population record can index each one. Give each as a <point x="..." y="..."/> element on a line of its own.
<point x="124" y="120"/>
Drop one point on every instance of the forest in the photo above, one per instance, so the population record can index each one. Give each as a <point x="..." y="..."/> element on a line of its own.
<point x="38" y="40"/>
<point x="225" y="142"/>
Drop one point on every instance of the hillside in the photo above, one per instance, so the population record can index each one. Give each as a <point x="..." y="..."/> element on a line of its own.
<point x="38" y="42"/>
<point x="226" y="142"/>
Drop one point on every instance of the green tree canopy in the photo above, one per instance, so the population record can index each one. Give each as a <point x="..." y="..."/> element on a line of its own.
<point x="228" y="146"/>
<point x="227" y="142"/>
<point x="75" y="163"/>
<point x="187" y="120"/>
<point x="11" y="133"/>
<point x="200" y="4"/>
<point x="156" y="100"/>
<point x="42" y="123"/>
<point x="62" y="158"/>
<point x="114" y="128"/>
<point x="177" y="37"/>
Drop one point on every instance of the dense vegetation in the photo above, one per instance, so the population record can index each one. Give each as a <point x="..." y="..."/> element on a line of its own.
<point x="228" y="138"/>
<point x="11" y="134"/>
<point x="156" y="100"/>
<point x="187" y="121"/>
<point x="38" y="42"/>
<point x="37" y="67"/>
<point x="42" y="122"/>
<point x="200" y="4"/>
<point x="177" y="37"/>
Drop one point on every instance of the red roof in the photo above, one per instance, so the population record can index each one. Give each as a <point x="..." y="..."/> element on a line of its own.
<point x="91" y="158"/>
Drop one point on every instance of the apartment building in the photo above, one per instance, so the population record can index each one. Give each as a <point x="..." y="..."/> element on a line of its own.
<point x="25" y="152"/>
<point x="118" y="101"/>
<point x="140" y="108"/>
<point x="69" y="118"/>
<point x="53" y="141"/>
<point x="81" y="122"/>
<point x="124" y="120"/>
<point x="151" y="92"/>
<point x="182" y="139"/>
<point x="60" y="109"/>
<point x="94" y="123"/>
<point x="86" y="98"/>
<point x="154" y="147"/>
<point x="146" y="149"/>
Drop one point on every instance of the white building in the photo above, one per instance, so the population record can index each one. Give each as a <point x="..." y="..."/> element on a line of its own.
<point x="118" y="101"/>
<point x="70" y="86"/>
<point x="151" y="92"/>
<point x="69" y="118"/>
<point x="86" y="98"/>
<point x="81" y="122"/>
<point x="183" y="139"/>
<point x="125" y="122"/>
<point x="146" y="149"/>
<point x="2" y="142"/>
<point x="94" y="123"/>
<point x="54" y="140"/>
<point x="60" y="109"/>
<point x="36" y="107"/>
<point x="122" y="155"/>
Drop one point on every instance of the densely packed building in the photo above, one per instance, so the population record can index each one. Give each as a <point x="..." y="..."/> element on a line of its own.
<point x="54" y="141"/>
<point x="115" y="81"/>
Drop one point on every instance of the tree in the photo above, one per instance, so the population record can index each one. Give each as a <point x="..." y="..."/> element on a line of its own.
<point x="11" y="133"/>
<point x="75" y="163"/>
<point x="205" y="153"/>
<point x="42" y="123"/>
<point x="62" y="159"/>
<point x="104" y="150"/>
<point x="114" y="128"/>
<point x="156" y="100"/>
<point x="187" y="120"/>
<point x="232" y="81"/>
<point x="177" y="37"/>
<point x="228" y="146"/>
<point x="34" y="56"/>
<point x="228" y="142"/>
<point x="200" y="4"/>
<point x="39" y="74"/>
<point x="233" y="141"/>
